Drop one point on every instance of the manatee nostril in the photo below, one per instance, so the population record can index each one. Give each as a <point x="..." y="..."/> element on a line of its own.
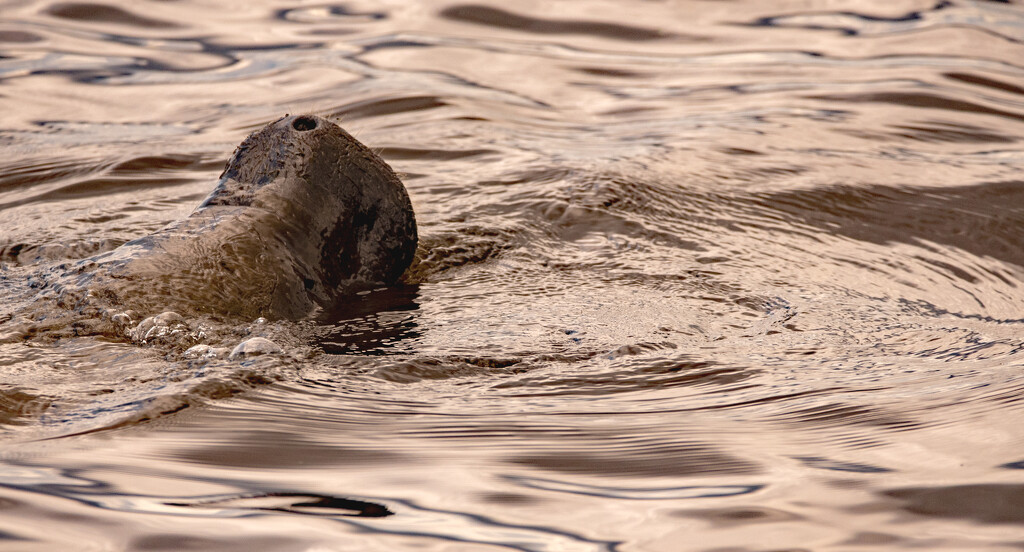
<point x="304" y="123"/>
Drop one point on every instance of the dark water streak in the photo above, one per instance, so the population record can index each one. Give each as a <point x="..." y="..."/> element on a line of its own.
<point x="692" y="276"/>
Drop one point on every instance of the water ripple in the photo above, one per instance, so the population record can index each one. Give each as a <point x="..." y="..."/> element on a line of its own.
<point x="739" y="274"/>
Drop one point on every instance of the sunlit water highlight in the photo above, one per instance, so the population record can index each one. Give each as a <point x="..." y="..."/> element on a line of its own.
<point x="692" y="276"/>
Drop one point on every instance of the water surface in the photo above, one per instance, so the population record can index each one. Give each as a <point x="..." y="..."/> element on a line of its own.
<point x="693" y="275"/>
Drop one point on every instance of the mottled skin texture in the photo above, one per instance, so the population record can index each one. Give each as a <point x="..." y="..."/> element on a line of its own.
<point x="302" y="216"/>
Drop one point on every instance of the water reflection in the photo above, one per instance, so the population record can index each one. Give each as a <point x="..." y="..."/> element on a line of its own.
<point x="371" y="322"/>
<point x="698" y="275"/>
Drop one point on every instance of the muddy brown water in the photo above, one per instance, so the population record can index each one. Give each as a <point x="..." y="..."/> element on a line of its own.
<point x="694" y="275"/>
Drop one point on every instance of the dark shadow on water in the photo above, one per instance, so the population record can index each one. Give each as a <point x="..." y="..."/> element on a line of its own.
<point x="371" y="322"/>
<point x="921" y="100"/>
<point x="983" y="503"/>
<point x="99" y="13"/>
<point x="495" y="17"/>
<point x="296" y="503"/>
<point x="682" y="459"/>
<point x="280" y="450"/>
<point x="378" y="107"/>
<point x="818" y="462"/>
<point x="985" y="219"/>
<point x="986" y="82"/>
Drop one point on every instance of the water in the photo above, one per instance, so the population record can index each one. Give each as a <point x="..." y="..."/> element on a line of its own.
<point x="693" y="276"/>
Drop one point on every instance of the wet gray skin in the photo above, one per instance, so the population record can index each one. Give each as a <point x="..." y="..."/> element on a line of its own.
<point x="302" y="216"/>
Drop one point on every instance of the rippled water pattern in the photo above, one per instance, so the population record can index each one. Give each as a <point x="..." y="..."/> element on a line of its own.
<point x="694" y="275"/>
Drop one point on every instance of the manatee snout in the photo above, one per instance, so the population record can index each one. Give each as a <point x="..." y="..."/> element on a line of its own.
<point x="302" y="216"/>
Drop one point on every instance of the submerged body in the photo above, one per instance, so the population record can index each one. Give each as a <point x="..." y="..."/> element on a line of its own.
<point x="302" y="216"/>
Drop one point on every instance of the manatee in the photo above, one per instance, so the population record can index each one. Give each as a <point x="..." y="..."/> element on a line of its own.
<point x="302" y="216"/>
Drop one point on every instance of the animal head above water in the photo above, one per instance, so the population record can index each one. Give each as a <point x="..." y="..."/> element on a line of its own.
<point x="303" y="215"/>
<point x="307" y="146"/>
